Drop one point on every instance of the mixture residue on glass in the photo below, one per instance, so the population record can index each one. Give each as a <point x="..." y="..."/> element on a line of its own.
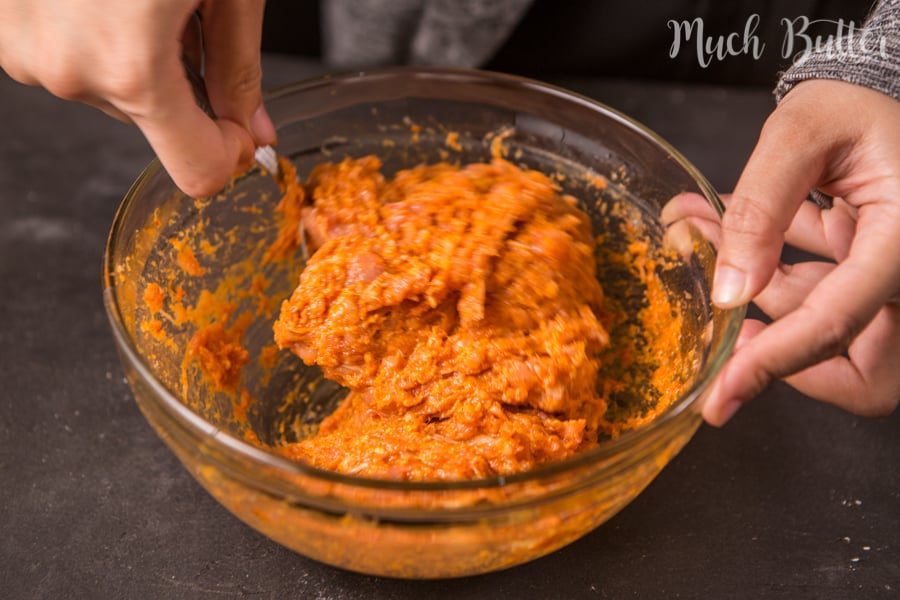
<point x="461" y="307"/>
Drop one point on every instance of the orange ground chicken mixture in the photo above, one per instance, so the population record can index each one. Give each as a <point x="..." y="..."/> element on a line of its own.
<point x="462" y="309"/>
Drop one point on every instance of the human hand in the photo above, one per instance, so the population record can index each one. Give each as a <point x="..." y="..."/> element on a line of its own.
<point x="125" y="58"/>
<point x="835" y="334"/>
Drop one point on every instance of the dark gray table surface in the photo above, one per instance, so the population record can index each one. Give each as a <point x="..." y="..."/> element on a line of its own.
<point x="792" y="499"/>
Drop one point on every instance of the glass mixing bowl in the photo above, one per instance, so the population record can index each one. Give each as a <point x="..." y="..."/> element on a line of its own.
<point x="172" y="262"/>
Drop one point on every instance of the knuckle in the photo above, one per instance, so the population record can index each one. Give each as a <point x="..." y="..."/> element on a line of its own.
<point x="125" y="86"/>
<point x="246" y="80"/>
<point x="62" y="78"/>
<point x="747" y="216"/>
<point x="18" y="73"/>
<point x="15" y="64"/>
<point x="836" y="334"/>
<point x="65" y="88"/>
<point x="237" y="92"/>
<point x="127" y="79"/>
<point x="791" y="125"/>
<point x="761" y="379"/>
<point x="749" y="378"/>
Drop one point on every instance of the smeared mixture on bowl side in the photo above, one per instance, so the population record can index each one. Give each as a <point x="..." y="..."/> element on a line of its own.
<point x="462" y="307"/>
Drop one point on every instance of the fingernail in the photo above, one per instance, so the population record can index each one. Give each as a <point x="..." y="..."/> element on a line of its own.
<point x="262" y="128"/>
<point x="728" y="286"/>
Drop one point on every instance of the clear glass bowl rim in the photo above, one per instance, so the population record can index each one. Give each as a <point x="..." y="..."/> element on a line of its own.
<point x="224" y="442"/>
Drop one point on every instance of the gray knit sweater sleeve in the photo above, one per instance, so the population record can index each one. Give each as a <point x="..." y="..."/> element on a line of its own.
<point x="869" y="57"/>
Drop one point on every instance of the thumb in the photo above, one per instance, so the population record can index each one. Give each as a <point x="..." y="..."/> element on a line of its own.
<point x="199" y="154"/>
<point x="784" y="167"/>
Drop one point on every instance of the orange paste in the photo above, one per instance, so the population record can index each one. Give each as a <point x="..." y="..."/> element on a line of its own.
<point x="461" y="307"/>
<point x="219" y="351"/>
